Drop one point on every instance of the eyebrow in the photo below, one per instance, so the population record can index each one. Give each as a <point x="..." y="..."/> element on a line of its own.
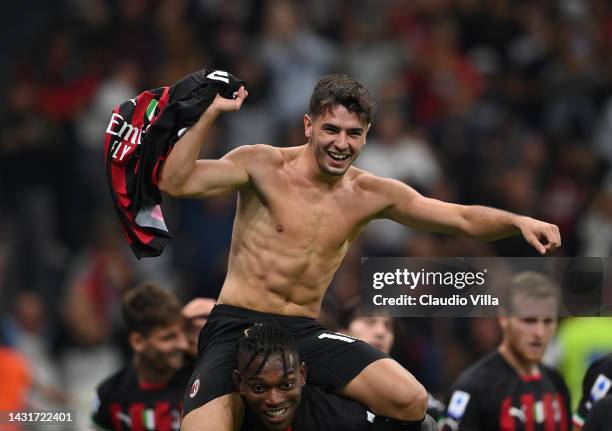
<point x="257" y="377"/>
<point x="352" y="129"/>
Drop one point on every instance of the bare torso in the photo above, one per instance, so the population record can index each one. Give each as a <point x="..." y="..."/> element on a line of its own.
<point x="291" y="234"/>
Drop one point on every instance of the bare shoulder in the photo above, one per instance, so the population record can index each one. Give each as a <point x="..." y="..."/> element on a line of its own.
<point x="367" y="182"/>
<point x="251" y="155"/>
<point x="382" y="193"/>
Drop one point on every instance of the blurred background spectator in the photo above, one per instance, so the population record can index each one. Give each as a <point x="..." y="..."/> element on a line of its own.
<point x="504" y="103"/>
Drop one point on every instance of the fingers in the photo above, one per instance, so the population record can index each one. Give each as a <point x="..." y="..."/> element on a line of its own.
<point x="240" y="96"/>
<point x="221" y="104"/>
<point x="544" y="238"/>
<point x="535" y="242"/>
<point x="242" y="93"/>
<point x="553" y="237"/>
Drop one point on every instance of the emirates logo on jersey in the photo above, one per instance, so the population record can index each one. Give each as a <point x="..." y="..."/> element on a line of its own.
<point x="194" y="388"/>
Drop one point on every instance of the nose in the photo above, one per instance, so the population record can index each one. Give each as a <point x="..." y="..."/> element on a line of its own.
<point x="274" y="398"/>
<point x="342" y="141"/>
<point x="540" y="330"/>
<point x="379" y="329"/>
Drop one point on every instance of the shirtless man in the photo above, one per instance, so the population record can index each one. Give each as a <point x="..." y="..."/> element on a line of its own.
<point x="299" y="210"/>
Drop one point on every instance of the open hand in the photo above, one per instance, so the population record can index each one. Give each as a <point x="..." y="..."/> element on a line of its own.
<point x="544" y="237"/>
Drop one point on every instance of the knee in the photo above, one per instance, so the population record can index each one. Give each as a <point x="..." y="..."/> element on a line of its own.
<point x="409" y="403"/>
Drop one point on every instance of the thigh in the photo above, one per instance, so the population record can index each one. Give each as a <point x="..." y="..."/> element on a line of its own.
<point x="212" y="375"/>
<point x="334" y="359"/>
<point x="221" y="414"/>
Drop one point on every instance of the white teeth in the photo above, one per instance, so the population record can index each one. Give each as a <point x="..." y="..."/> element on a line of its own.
<point x="338" y="156"/>
<point x="276" y="412"/>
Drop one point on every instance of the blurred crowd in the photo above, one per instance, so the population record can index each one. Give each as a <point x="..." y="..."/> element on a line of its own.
<point x="501" y="102"/>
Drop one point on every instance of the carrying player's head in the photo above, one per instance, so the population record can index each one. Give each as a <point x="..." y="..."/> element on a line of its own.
<point x="153" y="319"/>
<point x="529" y="315"/>
<point x="341" y="111"/>
<point x="269" y="375"/>
<point x="379" y="331"/>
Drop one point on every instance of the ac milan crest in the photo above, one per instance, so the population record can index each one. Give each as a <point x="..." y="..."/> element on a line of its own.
<point x="194" y="388"/>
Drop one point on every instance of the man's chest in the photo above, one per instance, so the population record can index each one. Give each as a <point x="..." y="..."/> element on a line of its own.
<point x="307" y="215"/>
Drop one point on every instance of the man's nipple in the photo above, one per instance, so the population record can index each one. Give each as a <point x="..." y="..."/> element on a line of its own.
<point x="279" y="228"/>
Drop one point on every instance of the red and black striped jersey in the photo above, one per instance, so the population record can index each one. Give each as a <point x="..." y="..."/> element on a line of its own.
<point x="491" y="395"/>
<point x="122" y="403"/>
<point x="139" y="136"/>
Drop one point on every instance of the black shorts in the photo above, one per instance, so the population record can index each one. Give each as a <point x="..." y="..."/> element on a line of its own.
<point x="332" y="359"/>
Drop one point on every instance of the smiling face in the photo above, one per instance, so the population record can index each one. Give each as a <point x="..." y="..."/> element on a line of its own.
<point x="274" y="392"/>
<point x="163" y="349"/>
<point x="336" y="138"/>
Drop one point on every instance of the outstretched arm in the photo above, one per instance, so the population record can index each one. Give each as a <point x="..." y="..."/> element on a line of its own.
<point x="183" y="175"/>
<point x="408" y="207"/>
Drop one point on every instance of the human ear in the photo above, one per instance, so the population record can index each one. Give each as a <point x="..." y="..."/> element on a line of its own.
<point x="137" y="341"/>
<point x="237" y="380"/>
<point x="307" y="126"/>
<point x="303" y="373"/>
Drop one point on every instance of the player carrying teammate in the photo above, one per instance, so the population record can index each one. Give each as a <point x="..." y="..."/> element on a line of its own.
<point x="510" y="390"/>
<point x="272" y="381"/>
<point x="299" y="209"/>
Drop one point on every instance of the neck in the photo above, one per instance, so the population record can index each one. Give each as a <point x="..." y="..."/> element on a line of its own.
<point x="147" y="375"/>
<point x="520" y="365"/>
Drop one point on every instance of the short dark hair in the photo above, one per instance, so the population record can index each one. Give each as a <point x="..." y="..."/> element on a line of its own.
<point x="355" y="311"/>
<point x="266" y="339"/>
<point x="334" y="90"/>
<point x="147" y="307"/>
<point x="532" y="285"/>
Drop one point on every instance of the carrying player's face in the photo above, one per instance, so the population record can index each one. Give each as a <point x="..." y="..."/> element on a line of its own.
<point x="272" y="394"/>
<point x="164" y="348"/>
<point x="337" y="138"/>
<point x="377" y="331"/>
<point x="530" y="328"/>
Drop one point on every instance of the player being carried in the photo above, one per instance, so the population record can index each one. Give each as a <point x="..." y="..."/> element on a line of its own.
<point x="299" y="210"/>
